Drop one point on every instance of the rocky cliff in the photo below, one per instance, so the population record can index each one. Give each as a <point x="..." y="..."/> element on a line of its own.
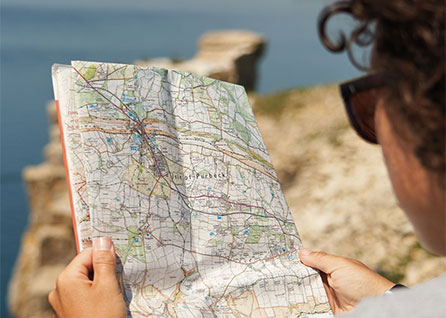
<point x="337" y="186"/>
<point x="229" y="56"/>
<point x="48" y="244"/>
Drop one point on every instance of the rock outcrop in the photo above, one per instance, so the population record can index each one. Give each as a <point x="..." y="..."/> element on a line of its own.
<point x="230" y="56"/>
<point x="48" y="244"/>
<point x="337" y="185"/>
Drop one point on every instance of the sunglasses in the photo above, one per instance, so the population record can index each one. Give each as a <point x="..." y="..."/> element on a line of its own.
<point x="360" y="98"/>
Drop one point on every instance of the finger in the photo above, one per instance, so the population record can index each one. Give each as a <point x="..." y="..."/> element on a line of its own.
<point x="104" y="262"/>
<point x="324" y="262"/>
<point x="329" y="292"/>
<point x="81" y="265"/>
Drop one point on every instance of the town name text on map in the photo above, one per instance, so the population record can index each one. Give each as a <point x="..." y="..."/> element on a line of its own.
<point x="172" y="167"/>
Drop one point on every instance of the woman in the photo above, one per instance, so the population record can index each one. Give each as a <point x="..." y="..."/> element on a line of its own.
<point x="401" y="106"/>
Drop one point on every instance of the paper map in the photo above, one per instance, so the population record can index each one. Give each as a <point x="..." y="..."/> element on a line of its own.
<point x="173" y="168"/>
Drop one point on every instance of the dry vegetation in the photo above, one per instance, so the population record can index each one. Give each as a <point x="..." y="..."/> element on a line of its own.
<point x="336" y="185"/>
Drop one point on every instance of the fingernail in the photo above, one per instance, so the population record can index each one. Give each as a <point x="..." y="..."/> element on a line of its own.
<point x="305" y="251"/>
<point x="102" y="244"/>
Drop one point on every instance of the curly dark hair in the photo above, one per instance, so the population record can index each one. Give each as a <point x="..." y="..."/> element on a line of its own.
<point x="408" y="38"/>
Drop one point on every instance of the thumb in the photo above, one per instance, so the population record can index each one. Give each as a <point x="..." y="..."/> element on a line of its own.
<point x="324" y="262"/>
<point x="104" y="261"/>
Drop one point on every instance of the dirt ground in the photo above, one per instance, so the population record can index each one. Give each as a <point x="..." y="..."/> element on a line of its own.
<point x="337" y="186"/>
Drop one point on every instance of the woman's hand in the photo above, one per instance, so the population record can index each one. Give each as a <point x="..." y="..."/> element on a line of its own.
<point x="77" y="296"/>
<point x="346" y="280"/>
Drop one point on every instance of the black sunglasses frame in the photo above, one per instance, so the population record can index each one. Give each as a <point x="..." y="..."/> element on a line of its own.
<point x="358" y="85"/>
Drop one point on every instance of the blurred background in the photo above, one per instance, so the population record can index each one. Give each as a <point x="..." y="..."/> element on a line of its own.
<point x="336" y="185"/>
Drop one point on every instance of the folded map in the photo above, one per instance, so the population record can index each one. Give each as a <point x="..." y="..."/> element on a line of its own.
<point x="173" y="168"/>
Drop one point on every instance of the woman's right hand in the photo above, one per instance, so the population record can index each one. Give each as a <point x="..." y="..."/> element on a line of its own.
<point x="77" y="295"/>
<point x="346" y="281"/>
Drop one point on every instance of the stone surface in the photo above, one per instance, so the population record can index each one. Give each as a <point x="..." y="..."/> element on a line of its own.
<point x="230" y="56"/>
<point x="48" y="244"/>
<point x="337" y="186"/>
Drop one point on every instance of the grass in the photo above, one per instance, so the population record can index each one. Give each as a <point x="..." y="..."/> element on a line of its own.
<point x="274" y="104"/>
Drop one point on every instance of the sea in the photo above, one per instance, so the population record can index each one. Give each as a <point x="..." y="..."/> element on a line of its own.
<point x="35" y="34"/>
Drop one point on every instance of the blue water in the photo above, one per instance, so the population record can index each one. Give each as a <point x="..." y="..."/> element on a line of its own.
<point x="34" y="37"/>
